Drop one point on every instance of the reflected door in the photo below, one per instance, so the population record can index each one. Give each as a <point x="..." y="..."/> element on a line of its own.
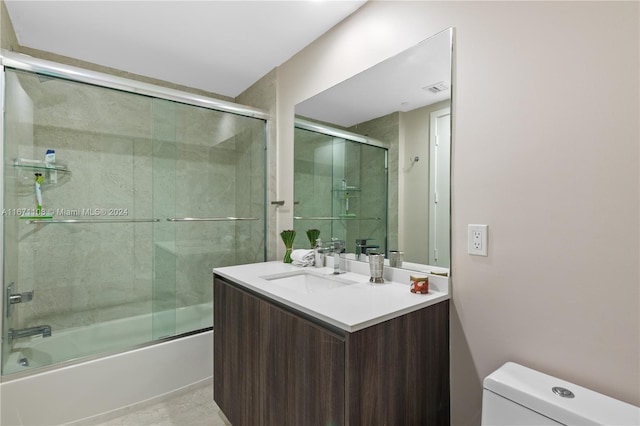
<point x="440" y="205"/>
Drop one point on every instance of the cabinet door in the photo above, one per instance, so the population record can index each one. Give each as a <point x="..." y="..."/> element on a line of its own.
<point x="398" y="370"/>
<point x="305" y="377"/>
<point x="236" y="387"/>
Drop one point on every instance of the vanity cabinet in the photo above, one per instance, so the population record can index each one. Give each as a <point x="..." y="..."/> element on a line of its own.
<point x="274" y="365"/>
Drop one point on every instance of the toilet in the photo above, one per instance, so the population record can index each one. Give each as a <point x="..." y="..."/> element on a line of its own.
<point x="515" y="395"/>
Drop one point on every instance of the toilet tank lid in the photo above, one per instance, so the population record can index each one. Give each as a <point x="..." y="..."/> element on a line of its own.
<point x="534" y="390"/>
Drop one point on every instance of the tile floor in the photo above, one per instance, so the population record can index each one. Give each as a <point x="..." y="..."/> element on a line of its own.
<point x="193" y="406"/>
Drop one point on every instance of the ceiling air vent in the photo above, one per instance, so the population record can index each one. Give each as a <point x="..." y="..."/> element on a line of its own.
<point x="437" y="87"/>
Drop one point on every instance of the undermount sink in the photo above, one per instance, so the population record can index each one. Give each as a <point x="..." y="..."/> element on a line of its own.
<point x="306" y="281"/>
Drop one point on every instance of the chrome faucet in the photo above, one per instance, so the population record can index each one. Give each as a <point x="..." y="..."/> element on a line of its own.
<point x="339" y="261"/>
<point x="43" y="330"/>
<point x="362" y="248"/>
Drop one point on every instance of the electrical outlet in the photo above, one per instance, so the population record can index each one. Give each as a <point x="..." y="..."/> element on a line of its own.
<point x="477" y="240"/>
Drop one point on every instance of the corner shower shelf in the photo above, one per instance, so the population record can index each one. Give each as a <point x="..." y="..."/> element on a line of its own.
<point x="27" y="167"/>
<point x="40" y="165"/>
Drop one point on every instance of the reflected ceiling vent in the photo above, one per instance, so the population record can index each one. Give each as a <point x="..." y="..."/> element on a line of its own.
<point x="437" y="87"/>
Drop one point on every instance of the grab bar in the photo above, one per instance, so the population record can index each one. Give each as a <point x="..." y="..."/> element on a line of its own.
<point x="91" y="220"/>
<point x="208" y="219"/>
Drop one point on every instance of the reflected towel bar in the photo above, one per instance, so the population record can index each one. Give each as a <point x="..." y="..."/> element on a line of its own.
<point x="335" y="218"/>
<point x="208" y="219"/>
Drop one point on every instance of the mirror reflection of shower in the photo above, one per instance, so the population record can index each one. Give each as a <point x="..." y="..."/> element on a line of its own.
<point x="340" y="186"/>
<point x="395" y="101"/>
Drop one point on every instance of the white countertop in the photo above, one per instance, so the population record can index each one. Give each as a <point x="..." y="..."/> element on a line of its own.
<point x="349" y="307"/>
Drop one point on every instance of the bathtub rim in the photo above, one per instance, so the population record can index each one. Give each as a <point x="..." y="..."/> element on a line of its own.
<point x="82" y="391"/>
<point x="80" y="360"/>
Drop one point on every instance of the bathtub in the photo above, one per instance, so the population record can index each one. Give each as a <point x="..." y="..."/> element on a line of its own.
<point x="79" y="390"/>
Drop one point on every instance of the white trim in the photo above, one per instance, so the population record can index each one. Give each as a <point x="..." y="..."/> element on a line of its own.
<point x="2" y="286"/>
<point x="344" y="134"/>
<point x="41" y="66"/>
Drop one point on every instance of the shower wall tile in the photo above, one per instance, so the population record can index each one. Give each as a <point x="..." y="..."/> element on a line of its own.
<point x="79" y="107"/>
<point x="75" y="271"/>
<point x="142" y="178"/>
<point x="263" y="94"/>
<point x="250" y="189"/>
<point x="386" y="130"/>
<point x="313" y="185"/>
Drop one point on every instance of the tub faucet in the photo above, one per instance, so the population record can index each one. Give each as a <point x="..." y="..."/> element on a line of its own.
<point x="43" y="330"/>
<point x="339" y="261"/>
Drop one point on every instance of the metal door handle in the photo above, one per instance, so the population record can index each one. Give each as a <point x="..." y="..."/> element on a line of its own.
<point x="12" y="298"/>
<point x="27" y="296"/>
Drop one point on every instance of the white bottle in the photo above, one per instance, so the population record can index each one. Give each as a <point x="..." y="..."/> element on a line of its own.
<point x="318" y="255"/>
<point x="50" y="163"/>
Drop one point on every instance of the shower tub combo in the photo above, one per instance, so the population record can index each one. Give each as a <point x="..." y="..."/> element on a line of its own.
<point x="119" y="198"/>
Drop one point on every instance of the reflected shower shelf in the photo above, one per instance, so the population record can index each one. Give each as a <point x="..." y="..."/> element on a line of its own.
<point x="347" y="189"/>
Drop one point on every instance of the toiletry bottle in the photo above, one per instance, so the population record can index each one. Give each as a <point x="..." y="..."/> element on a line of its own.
<point x="318" y="255"/>
<point x="38" y="187"/>
<point x="346" y="204"/>
<point x="50" y="163"/>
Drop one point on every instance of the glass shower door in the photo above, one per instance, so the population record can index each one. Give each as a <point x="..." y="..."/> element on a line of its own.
<point x="81" y="253"/>
<point x="146" y="196"/>
<point x="209" y="191"/>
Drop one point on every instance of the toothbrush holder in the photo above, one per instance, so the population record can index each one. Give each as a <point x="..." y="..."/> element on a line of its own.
<point x="376" y="267"/>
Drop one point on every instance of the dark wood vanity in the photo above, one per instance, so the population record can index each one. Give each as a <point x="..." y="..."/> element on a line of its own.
<point x="274" y="365"/>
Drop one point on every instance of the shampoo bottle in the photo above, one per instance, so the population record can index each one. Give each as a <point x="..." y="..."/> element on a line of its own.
<point x="50" y="163"/>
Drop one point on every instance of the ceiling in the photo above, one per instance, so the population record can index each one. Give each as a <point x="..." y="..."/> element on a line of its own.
<point x="399" y="83"/>
<point x="218" y="46"/>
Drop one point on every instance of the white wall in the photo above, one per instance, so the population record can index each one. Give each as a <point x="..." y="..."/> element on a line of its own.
<point x="545" y="151"/>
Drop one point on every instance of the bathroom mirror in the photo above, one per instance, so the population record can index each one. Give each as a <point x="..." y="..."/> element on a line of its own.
<point x="402" y="104"/>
